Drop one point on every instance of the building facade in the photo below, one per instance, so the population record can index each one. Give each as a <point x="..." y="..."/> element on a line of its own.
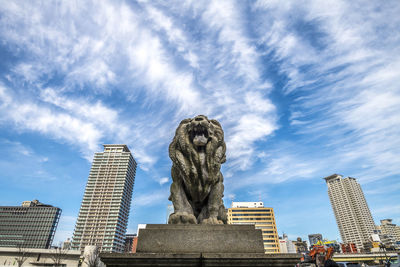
<point x="286" y="245"/>
<point x="103" y="216"/>
<point x="66" y="245"/>
<point x="31" y="225"/>
<point x="314" y="238"/>
<point x="391" y="229"/>
<point x="300" y="245"/>
<point x="397" y="234"/>
<point x="388" y="234"/>
<point x="351" y="210"/>
<point x="130" y="243"/>
<point x="262" y="217"/>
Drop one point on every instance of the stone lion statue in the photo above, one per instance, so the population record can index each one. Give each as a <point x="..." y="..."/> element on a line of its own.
<point x="197" y="152"/>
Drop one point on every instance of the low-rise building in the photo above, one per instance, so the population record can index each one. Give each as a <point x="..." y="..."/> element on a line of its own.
<point x="390" y="229"/>
<point x="66" y="244"/>
<point x="130" y="243"/>
<point x="314" y="238"/>
<point x="286" y="245"/>
<point x="262" y="217"/>
<point x="31" y="225"/>
<point x="300" y="245"/>
<point x="349" y="248"/>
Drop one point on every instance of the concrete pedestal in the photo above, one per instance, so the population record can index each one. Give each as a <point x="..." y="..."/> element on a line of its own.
<point x="195" y="238"/>
<point x="199" y="259"/>
<point x="199" y="245"/>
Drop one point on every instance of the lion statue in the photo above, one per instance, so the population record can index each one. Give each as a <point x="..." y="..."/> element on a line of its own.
<point x="197" y="152"/>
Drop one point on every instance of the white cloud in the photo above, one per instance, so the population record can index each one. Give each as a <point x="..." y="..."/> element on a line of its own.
<point x="17" y="147"/>
<point x="175" y="36"/>
<point x="145" y="51"/>
<point x="282" y="167"/>
<point x="107" y="48"/>
<point x="163" y="180"/>
<point x="390" y="209"/>
<point x="28" y="115"/>
<point x="104" y="117"/>
<point x="240" y="141"/>
<point x="151" y="198"/>
<point x="383" y="189"/>
<point x="116" y="39"/>
<point x="226" y="18"/>
<point x="347" y="76"/>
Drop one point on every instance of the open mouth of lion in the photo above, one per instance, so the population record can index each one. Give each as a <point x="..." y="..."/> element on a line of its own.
<point x="199" y="135"/>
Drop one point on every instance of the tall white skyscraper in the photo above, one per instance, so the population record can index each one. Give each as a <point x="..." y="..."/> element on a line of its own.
<point x="104" y="212"/>
<point x="351" y="210"/>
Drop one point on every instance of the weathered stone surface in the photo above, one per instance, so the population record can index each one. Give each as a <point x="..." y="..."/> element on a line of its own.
<point x="169" y="238"/>
<point x="200" y="259"/>
<point x="197" y="152"/>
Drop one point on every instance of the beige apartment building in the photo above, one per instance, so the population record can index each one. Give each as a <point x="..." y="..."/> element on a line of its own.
<point x="351" y="210"/>
<point x="390" y="229"/>
<point x="262" y="217"/>
<point x="103" y="216"/>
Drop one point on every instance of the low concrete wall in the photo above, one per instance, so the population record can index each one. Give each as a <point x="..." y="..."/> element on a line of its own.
<point x="37" y="257"/>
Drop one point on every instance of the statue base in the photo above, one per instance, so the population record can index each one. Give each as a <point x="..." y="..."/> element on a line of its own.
<point x="200" y="238"/>
<point x="199" y="259"/>
<point x="199" y="245"/>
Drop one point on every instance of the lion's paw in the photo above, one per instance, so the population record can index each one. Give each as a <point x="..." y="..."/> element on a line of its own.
<point x="182" y="218"/>
<point x="211" y="220"/>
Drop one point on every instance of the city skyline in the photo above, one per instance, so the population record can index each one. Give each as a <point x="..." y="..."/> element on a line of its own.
<point x="302" y="90"/>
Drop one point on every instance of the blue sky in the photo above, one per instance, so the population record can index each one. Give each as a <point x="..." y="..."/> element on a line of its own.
<point x="303" y="89"/>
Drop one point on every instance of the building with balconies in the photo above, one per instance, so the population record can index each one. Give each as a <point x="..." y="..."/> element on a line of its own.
<point x="104" y="212"/>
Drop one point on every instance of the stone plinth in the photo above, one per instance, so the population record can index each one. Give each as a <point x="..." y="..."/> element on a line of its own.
<point x="199" y="238"/>
<point x="199" y="245"/>
<point x="199" y="259"/>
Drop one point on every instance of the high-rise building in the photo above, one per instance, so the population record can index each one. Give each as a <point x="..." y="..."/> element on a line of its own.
<point x="351" y="210"/>
<point x="31" y="225"/>
<point x="262" y="217"/>
<point x="103" y="216"/>
<point x="314" y="238"/>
